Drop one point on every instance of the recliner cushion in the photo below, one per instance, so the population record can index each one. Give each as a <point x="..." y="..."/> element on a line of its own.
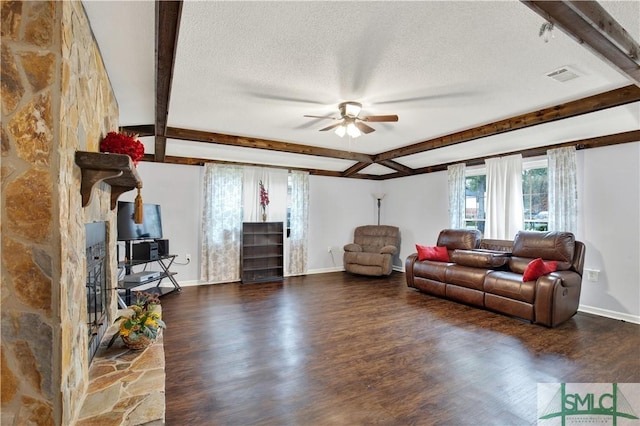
<point x="510" y="285"/>
<point x="463" y="239"/>
<point x="552" y="245"/>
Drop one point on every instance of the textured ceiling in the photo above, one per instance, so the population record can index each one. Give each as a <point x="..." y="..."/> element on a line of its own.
<point x="255" y="68"/>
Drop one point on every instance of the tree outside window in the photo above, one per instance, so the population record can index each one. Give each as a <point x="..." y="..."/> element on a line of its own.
<point x="536" y="201"/>
<point x="475" y="200"/>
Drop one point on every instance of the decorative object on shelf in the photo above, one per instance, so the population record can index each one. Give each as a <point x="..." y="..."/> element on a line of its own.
<point x="121" y="143"/>
<point x="140" y="326"/>
<point x="379" y="196"/>
<point x="264" y="201"/>
<point x="138" y="211"/>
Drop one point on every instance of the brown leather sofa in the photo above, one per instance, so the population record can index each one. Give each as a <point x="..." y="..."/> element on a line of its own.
<point x="372" y="250"/>
<point x="488" y="274"/>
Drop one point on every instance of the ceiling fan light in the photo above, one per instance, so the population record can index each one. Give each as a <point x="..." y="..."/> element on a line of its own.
<point x="353" y="131"/>
<point x="341" y="130"/>
<point x="352" y="109"/>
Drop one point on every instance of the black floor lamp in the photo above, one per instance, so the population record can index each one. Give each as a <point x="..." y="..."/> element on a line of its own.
<point x="379" y="196"/>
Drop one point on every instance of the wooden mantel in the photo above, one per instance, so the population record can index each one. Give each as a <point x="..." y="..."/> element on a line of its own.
<point x="117" y="170"/>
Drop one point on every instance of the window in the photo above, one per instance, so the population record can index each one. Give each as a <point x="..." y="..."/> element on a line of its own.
<point x="534" y="192"/>
<point x="475" y="199"/>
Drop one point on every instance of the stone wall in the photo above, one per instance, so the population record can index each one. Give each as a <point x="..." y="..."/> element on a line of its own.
<point x="56" y="99"/>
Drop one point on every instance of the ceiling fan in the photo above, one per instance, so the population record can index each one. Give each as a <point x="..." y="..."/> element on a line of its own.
<point x="351" y="123"/>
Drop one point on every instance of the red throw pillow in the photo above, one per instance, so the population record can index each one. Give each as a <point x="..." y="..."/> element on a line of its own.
<point x="432" y="253"/>
<point x="537" y="268"/>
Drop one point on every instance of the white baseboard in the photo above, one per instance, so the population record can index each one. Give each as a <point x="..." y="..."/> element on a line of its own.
<point x="609" y="314"/>
<point x="325" y="270"/>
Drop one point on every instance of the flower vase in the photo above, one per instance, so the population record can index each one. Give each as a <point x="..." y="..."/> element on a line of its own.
<point x="264" y="216"/>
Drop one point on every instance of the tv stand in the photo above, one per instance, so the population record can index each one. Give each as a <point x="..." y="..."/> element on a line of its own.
<point x="130" y="285"/>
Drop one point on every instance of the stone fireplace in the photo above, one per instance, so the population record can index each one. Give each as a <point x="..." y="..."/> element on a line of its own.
<point x="56" y="99"/>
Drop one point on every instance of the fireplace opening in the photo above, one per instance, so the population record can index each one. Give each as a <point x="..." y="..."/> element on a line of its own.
<point x="96" y="253"/>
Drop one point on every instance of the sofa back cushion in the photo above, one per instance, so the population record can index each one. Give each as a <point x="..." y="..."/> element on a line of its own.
<point x="373" y="237"/>
<point x="554" y="245"/>
<point x="459" y="239"/>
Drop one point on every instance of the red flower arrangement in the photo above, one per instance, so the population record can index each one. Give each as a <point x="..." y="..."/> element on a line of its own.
<point x="264" y="201"/>
<point x="264" y="196"/>
<point x="120" y="143"/>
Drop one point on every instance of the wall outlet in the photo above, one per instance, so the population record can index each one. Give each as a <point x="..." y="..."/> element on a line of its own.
<point x="329" y="249"/>
<point x="593" y="275"/>
<point x="188" y="257"/>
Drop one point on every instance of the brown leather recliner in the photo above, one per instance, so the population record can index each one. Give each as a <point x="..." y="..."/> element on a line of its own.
<point x="372" y="250"/>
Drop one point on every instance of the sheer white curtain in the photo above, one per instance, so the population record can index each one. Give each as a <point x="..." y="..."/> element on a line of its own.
<point x="275" y="182"/>
<point x="563" y="189"/>
<point x="504" y="197"/>
<point x="221" y="223"/>
<point x="299" y="222"/>
<point x="456" y="177"/>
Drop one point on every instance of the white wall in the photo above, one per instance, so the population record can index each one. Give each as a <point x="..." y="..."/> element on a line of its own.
<point x="418" y="205"/>
<point x="336" y="207"/>
<point x="609" y="215"/>
<point x="177" y="189"/>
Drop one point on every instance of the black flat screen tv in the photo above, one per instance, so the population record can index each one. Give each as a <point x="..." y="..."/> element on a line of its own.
<point x="149" y="229"/>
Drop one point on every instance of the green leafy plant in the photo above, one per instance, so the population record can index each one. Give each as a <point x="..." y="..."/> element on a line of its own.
<point x="142" y="319"/>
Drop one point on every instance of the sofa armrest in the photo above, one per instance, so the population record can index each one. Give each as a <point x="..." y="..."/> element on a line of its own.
<point x="557" y="297"/>
<point x="353" y="247"/>
<point x="388" y="250"/>
<point x="408" y="269"/>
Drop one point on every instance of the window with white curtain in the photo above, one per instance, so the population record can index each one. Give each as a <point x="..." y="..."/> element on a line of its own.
<point x="231" y="196"/>
<point x="563" y="189"/>
<point x="299" y="222"/>
<point x="534" y="195"/>
<point x="221" y="223"/>
<point x="456" y="179"/>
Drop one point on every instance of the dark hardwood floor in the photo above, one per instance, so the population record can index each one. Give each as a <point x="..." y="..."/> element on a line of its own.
<point x="338" y="349"/>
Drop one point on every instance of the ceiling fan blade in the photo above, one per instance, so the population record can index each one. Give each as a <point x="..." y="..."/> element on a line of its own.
<point x="379" y="118"/>
<point x="364" y="128"/>
<point x="321" y="116"/>
<point x="333" y="126"/>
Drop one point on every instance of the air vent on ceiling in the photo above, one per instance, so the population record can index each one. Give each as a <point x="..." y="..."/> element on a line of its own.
<point x="563" y="74"/>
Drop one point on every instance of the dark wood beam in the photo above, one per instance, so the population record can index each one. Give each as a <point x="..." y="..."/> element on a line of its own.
<point x="590" y="24"/>
<point x="140" y="130"/>
<point x="613" y="98"/>
<point x="397" y="166"/>
<point x="246" y="142"/>
<point x="354" y="169"/>
<point x="597" y="142"/>
<point x="192" y="161"/>
<point x="168" y="15"/>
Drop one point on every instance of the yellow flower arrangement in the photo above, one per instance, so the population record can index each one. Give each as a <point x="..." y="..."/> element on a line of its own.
<point x="143" y="321"/>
